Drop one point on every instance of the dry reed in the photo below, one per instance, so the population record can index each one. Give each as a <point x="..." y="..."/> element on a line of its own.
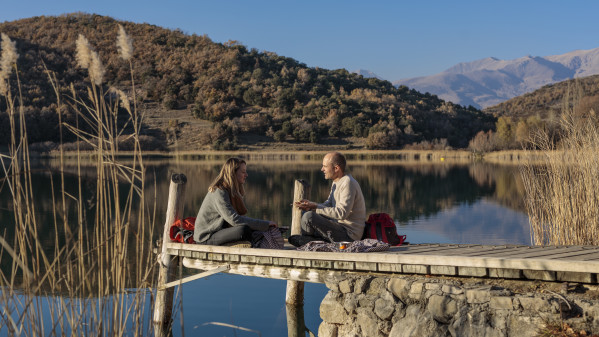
<point x="562" y="192"/>
<point x="94" y="283"/>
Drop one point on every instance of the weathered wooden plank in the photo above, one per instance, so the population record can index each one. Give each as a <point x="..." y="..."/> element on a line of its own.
<point x="369" y="266"/>
<point x="264" y="259"/>
<point x="389" y="267"/>
<point x="344" y="265"/>
<point x="431" y="248"/>
<point x="505" y="273"/>
<point x="399" y="258"/>
<point x="444" y="270"/>
<point x="215" y="257"/>
<point x="543" y="275"/>
<point x="282" y="261"/>
<point x="199" y="255"/>
<point x="576" y="277"/>
<point x="538" y="252"/>
<point x="322" y="264"/>
<point x="479" y="251"/>
<point x="415" y="269"/>
<point x="472" y="271"/>
<point x="232" y="257"/>
<point x="247" y="258"/>
<point x="585" y="255"/>
<point x="572" y="256"/>
<point x="274" y="272"/>
<point x="591" y="257"/>
<point x="302" y="263"/>
<point x="506" y="251"/>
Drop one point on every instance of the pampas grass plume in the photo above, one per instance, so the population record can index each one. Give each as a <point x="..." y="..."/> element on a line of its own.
<point x="87" y="58"/>
<point x="9" y="57"/>
<point x="124" y="99"/>
<point x="124" y="44"/>
<point x="96" y="69"/>
<point x="83" y="52"/>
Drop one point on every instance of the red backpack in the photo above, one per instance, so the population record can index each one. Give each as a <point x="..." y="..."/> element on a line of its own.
<point x="182" y="230"/>
<point x="381" y="227"/>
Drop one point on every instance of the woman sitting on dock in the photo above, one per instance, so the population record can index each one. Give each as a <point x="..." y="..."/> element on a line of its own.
<point x="221" y="218"/>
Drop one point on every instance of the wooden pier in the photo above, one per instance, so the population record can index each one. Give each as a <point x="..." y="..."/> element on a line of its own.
<point x="578" y="264"/>
<point x="547" y="263"/>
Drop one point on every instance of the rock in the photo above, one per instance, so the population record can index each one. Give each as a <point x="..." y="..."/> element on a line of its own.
<point x="399" y="288"/>
<point x="350" y="330"/>
<point x="416" y="290"/>
<point x="367" y="301"/>
<point x="361" y="285"/>
<point x="327" y="330"/>
<point x="479" y="295"/>
<point x="377" y="286"/>
<point x="331" y="311"/>
<point x="501" y="303"/>
<point x="535" y="304"/>
<point x="519" y="323"/>
<point x="350" y="303"/>
<point x="417" y="324"/>
<point x="368" y="322"/>
<point x="432" y="286"/>
<point x="385" y="327"/>
<point x="452" y="290"/>
<point x="384" y="308"/>
<point x="443" y="308"/>
<point x="333" y="286"/>
<point x="346" y="286"/>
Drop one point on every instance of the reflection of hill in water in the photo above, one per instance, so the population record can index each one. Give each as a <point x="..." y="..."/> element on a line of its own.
<point x="407" y="191"/>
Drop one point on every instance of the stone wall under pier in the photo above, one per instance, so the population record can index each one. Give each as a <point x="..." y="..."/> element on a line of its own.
<point x="422" y="306"/>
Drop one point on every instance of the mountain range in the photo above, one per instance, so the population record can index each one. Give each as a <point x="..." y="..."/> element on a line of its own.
<point x="490" y="81"/>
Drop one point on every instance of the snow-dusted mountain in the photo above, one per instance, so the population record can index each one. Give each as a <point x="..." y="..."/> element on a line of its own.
<point x="366" y="73"/>
<point x="490" y="81"/>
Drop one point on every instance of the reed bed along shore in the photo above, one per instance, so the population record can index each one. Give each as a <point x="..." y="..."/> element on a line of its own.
<point x="562" y="192"/>
<point x="96" y="277"/>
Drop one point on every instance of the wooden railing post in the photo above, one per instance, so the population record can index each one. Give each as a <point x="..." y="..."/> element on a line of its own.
<point x="295" y="289"/>
<point x="301" y="191"/>
<point x="163" y="305"/>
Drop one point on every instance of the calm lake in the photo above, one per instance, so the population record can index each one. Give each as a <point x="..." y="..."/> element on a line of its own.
<point x="442" y="203"/>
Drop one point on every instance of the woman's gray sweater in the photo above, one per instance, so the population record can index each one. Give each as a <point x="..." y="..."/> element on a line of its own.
<point x="217" y="213"/>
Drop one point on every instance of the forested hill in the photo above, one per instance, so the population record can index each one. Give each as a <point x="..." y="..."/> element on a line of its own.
<point x="548" y="101"/>
<point x="240" y="90"/>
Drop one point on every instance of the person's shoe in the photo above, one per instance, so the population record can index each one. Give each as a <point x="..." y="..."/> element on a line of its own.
<point x="238" y="244"/>
<point x="300" y="240"/>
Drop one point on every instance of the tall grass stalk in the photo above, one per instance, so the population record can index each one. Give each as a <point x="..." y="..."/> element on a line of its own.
<point x="562" y="193"/>
<point x="92" y="283"/>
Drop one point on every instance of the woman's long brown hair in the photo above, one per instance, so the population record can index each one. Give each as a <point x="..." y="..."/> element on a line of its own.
<point x="227" y="179"/>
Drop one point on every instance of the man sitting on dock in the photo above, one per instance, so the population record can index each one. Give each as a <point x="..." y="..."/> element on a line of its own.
<point x="342" y="216"/>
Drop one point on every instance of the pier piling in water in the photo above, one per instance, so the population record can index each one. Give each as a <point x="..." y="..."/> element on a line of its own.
<point x="163" y="305"/>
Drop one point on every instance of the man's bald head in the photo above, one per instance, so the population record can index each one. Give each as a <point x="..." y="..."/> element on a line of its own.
<point x="336" y="159"/>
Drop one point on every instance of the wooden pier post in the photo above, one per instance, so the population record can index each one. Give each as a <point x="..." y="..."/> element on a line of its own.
<point x="294" y="294"/>
<point x="163" y="305"/>
<point x="296" y="326"/>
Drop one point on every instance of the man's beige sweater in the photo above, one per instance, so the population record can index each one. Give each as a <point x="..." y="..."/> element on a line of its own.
<point x="346" y="205"/>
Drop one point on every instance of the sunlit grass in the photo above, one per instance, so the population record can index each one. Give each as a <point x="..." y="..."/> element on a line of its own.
<point x="562" y="192"/>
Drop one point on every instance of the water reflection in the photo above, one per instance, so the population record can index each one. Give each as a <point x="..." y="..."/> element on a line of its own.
<point x="477" y="203"/>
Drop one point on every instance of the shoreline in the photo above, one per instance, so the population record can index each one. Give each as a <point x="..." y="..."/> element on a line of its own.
<point x="271" y="155"/>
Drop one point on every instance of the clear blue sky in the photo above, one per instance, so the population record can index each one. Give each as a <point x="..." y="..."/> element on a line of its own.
<point x="395" y="39"/>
